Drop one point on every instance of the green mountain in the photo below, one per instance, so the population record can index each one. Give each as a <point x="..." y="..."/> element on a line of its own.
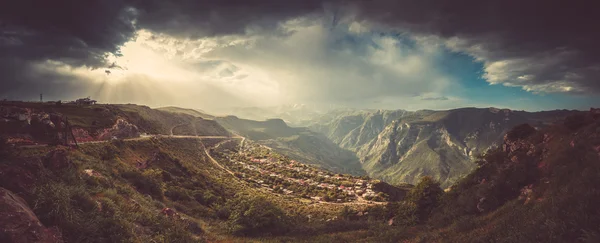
<point x="401" y="146"/>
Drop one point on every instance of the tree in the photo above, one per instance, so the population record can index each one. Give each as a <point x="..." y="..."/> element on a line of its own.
<point x="425" y="196"/>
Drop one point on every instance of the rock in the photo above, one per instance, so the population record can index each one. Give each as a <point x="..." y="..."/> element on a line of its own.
<point x="526" y="193"/>
<point x="168" y="212"/>
<point x="57" y="159"/>
<point x="19" y="224"/>
<point x="480" y="205"/>
<point x="121" y="129"/>
<point x="92" y="173"/>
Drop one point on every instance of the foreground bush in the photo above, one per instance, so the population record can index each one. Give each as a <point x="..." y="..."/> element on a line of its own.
<point x="255" y="216"/>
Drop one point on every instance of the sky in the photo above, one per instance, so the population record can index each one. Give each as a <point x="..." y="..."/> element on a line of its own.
<point x="382" y="54"/>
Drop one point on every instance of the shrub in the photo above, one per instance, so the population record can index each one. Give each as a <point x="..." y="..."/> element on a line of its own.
<point x="520" y="132"/>
<point x="348" y="213"/>
<point x="109" y="152"/>
<point x="425" y="196"/>
<point x="145" y="183"/>
<point x="405" y="214"/>
<point x="176" y="193"/>
<point x="255" y="216"/>
<point x="71" y="209"/>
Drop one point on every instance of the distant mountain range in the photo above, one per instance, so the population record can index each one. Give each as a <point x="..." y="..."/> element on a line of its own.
<point x="396" y="146"/>
<point x="402" y="146"/>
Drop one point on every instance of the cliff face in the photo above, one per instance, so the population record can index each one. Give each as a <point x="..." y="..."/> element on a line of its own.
<point x="401" y="146"/>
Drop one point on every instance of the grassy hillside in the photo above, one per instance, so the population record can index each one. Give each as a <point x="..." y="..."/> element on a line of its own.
<point x="152" y="190"/>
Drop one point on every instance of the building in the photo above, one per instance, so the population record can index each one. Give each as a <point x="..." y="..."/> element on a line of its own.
<point x="85" y="101"/>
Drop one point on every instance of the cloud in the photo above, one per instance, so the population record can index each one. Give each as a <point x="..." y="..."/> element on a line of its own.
<point x="356" y="52"/>
<point x="74" y="32"/>
<point x="328" y="65"/>
<point x="541" y="47"/>
<point x="184" y="18"/>
<point x="435" y="98"/>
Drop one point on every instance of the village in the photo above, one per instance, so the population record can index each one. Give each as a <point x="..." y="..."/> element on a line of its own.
<point x="263" y="168"/>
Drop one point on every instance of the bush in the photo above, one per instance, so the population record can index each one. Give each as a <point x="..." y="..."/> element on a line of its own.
<point x="425" y="197"/>
<point x="145" y="183"/>
<point x="403" y="213"/>
<point x="255" y="216"/>
<point x="109" y="152"/>
<point x="348" y="213"/>
<point x="176" y="193"/>
<point x="520" y="132"/>
<point x="76" y="214"/>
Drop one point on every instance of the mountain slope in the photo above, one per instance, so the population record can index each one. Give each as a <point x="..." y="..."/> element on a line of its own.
<point x="402" y="146"/>
<point x="538" y="186"/>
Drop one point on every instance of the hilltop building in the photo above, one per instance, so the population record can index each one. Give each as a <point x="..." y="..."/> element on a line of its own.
<point x="85" y="101"/>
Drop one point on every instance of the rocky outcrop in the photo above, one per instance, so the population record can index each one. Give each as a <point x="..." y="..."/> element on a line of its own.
<point x="121" y="129"/>
<point x="19" y="224"/>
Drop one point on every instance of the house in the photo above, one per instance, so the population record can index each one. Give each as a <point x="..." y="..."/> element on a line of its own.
<point x="85" y="101"/>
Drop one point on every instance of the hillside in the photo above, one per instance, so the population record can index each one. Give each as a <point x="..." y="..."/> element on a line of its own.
<point x="155" y="190"/>
<point x="299" y="143"/>
<point x="43" y="122"/>
<point x="537" y="186"/>
<point x="191" y="112"/>
<point x="402" y="146"/>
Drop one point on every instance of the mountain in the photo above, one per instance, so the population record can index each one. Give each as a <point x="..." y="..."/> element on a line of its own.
<point x="300" y="144"/>
<point x="539" y="185"/>
<point x="293" y="114"/>
<point x="191" y="112"/>
<point x="402" y="146"/>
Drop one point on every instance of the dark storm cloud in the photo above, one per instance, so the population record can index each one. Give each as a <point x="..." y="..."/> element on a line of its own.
<point x="74" y="32"/>
<point x="544" y="45"/>
<point x="78" y="33"/>
<point x="205" y="18"/>
<point x="548" y="46"/>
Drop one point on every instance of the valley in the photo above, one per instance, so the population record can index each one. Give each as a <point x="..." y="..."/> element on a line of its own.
<point x="138" y="174"/>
